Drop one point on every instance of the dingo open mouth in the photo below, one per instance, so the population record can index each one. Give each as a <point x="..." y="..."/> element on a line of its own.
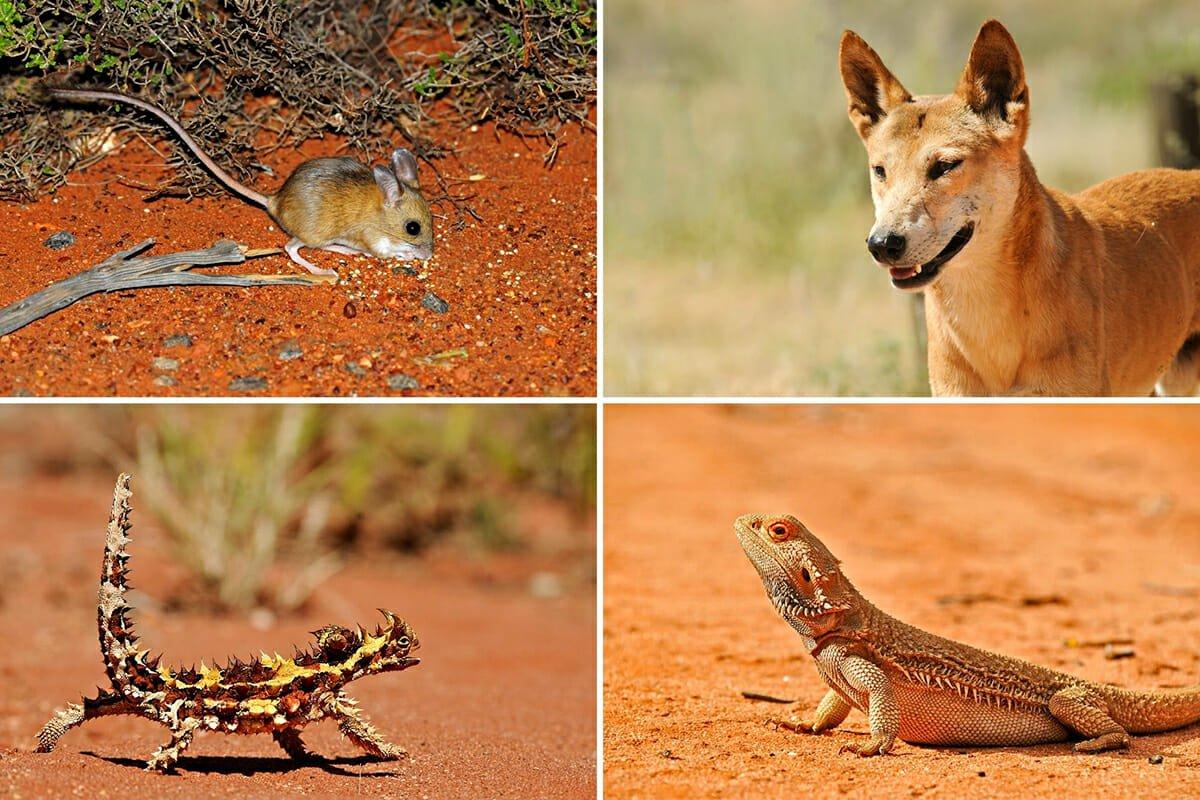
<point x="916" y="277"/>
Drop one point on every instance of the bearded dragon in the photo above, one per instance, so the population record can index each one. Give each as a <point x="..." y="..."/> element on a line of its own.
<point x="270" y="694"/>
<point x="925" y="689"/>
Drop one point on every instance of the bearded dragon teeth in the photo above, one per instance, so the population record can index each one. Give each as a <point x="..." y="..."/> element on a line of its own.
<point x="926" y="689"/>
<point x="272" y="694"/>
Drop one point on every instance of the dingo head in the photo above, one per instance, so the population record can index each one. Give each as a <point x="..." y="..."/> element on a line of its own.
<point x="942" y="168"/>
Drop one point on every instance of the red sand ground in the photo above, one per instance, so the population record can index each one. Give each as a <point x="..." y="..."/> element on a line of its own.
<point x="1011" y="528"/>
<point x="521" y="287"/>
<point x="503" y="704"/>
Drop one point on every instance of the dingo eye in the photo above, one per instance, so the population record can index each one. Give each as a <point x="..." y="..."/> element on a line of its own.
<point x="879" y="171"/>
<point x="940" y="168"/>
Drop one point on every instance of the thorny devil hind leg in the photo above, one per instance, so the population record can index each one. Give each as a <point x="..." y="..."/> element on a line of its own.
<point x="358" y="729"/>
<point x="75" y="715"/>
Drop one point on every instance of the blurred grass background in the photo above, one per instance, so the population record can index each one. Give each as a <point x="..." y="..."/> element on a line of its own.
<point x="260" y="503"/>
<point x="736" y="194"/>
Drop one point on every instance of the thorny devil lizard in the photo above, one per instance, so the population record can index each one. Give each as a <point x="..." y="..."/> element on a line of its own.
<point x="925" y="689"/>
<point x="270" y="694"/>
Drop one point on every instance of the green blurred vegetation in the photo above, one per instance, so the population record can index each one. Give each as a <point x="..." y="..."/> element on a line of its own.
<point x="262" y="502"/>
<point x="736" y="193"/>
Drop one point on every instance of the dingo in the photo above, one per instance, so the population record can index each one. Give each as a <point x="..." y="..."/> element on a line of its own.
<point x="1027" y="290"/>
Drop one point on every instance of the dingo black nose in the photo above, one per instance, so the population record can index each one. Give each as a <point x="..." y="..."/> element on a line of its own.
<point x="886" y="248"/>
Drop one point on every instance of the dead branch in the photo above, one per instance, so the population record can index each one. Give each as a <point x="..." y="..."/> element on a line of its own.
<point x="121" y="271"/>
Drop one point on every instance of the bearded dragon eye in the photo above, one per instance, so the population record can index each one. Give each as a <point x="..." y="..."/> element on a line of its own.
<point x="779" y="531"/>
<point x="403" y="641"/>
<point x="804" y="574"/>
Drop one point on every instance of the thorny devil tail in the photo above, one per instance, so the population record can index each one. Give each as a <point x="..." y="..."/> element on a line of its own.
<point x="126" y="665"/>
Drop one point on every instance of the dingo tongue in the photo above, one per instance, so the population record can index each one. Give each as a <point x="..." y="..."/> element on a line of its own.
<point x="902" y="273"/>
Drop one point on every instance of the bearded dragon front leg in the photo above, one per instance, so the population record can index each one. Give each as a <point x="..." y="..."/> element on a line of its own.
<point x="883" y="713"/>
<point x="831" y="712"/>
<point x="355" y="726"/>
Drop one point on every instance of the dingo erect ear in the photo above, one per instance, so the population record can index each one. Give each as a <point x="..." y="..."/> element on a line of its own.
<point x="993" y="83"/>
<point x="871" y="89"/>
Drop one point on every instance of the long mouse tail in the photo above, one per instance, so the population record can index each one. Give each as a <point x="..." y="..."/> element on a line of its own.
<point x="218" y="173"/>
<point x="126" y="665"/>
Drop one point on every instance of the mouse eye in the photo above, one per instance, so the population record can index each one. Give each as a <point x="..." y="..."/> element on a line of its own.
<point x="412" y="228"/>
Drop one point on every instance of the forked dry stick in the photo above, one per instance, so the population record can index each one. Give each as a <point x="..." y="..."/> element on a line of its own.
<point x="122" y="271"/>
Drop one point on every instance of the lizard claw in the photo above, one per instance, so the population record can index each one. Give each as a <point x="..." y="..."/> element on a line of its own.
<point x="874" y="747"/>
<point x="791" y="725"/>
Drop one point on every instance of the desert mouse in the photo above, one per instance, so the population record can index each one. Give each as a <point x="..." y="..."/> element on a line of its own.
<point x="332" y="204"/>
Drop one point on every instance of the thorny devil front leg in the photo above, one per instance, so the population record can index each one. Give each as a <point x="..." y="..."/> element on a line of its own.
<point x="923" y="688"/>
<point x="270" y="694"/>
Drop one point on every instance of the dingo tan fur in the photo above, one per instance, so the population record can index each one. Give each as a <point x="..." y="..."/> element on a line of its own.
<point x="1028" y="290"/>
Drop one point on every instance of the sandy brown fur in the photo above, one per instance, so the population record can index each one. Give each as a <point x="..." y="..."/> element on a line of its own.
<point x="1095" y="293"/>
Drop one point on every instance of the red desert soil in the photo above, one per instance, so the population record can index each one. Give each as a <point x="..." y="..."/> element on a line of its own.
<point x="520" y="287"/>
<point x="1011" y="528"/>
<point x="502" y="705"/>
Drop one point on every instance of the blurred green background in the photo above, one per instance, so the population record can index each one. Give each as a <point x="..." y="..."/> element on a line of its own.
<point x="736" y="196"/>
<point x="261" y="503"/>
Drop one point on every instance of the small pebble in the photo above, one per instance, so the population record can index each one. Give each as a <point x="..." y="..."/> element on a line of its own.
<point x="164" y="380"/>
<point x="60" y="240"/>
<point x="250" y="383"/>
<point x="290" y="351"/>
<point x="434" y="303"/>
<point x="400" y="381"/>
<point x="350" y="311"/>
<point x="166" y="364"/>
<point x="355" y="369"/>
<point x="23" y="392"/>
<point x="1156" y="759"/>
<point x="178" y="340"/>
<point x="404" y="269"/>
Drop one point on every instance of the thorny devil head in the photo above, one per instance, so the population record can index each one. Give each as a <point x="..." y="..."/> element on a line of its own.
<point x="354" y="654"/>
<point x="801" y="576"/>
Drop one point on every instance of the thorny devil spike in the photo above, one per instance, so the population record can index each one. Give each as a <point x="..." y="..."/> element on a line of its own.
<point x="272" y="694"/>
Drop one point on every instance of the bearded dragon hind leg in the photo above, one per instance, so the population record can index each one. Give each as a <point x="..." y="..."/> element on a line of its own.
<point x="1084" y="711"/>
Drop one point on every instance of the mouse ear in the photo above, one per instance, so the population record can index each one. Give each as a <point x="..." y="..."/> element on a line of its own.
<point x="388" y="185"/>
<point x="404" y="164"/>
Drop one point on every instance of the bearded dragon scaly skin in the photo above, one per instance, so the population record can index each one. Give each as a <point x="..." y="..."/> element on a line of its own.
<point x="922" y="688"/>
<point x="271" y="694"/>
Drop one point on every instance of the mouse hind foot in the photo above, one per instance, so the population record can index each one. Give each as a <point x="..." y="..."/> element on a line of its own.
<point x="292" y="248"/>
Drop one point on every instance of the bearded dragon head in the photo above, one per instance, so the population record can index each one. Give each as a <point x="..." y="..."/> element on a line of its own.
<point x="801" y="576"/>
<point x="357" y="653"/>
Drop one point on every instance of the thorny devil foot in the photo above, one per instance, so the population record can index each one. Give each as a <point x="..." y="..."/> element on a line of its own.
<point x="924" y="689"/>
<point x="271" y="694"/>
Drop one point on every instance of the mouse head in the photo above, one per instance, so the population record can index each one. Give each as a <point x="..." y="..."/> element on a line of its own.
<point x="802" y="578"/>
<point x="407" y="223"/>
